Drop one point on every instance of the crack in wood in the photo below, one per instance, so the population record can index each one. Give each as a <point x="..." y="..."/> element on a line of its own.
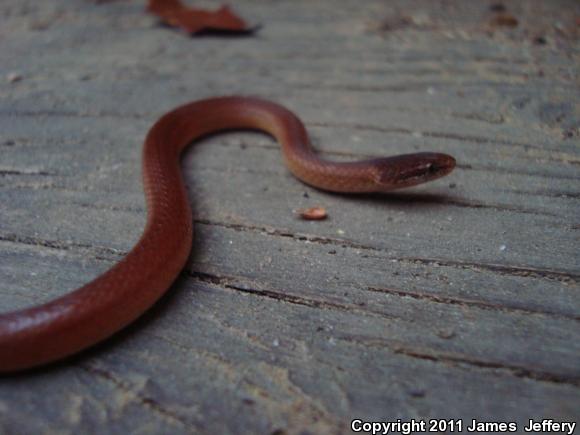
<point x="497" y="207"/>
<point x="145" y="401"/>
<point x="517" y="171"/>
<point x="542" y="192"/>
<point x="445" y="358"/>
<point x="270" y="231"/>
<point x="60" y="245"/>
<point x="481" y="117"/>
<point x="511" y="270"/>
<point x="229" y="283"/>
<point x="5" y="172"/>
<point x="74" y="114"/>
<point x="517" y="371"/>
<point x="104" y="254"/>
<point x="484" y="305"/>
<point x="523" y="271"/>
<point x="501" y="269"/>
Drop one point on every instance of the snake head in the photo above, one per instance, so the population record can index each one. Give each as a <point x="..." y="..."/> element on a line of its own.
<point x="411" y="169"/>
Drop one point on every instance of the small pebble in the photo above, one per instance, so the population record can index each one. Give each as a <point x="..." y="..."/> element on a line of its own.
<point x="502" y="247"/>
<point x="276" y="342"/>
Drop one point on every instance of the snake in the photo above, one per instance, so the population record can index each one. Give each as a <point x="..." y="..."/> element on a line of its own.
<point x="61" y="327"/>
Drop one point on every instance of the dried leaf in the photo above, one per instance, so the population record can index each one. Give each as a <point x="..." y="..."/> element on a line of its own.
<point x="193" y="20"/>
<point x="312" y="213"/>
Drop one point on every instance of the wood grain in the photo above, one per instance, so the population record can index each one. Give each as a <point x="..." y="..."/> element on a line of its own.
<point x="455" y="300"/>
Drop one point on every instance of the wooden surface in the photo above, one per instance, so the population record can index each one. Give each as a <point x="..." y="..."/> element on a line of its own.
<point x="459" y="299"/>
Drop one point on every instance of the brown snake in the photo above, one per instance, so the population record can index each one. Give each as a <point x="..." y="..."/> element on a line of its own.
<point x="77" y="320"/>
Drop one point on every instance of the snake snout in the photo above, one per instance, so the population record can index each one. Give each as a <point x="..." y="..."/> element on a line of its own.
<point x="411" y="169"/>
<point x="442" y="164"/>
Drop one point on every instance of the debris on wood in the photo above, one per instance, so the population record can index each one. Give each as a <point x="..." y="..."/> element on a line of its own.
<point x="13" y="77"/>
<point x="504" y="20"/>
<point x="312" y="213"/>
<point x="396" y="23"/>
<point x="193" y="20"/>
<point x="446" y="333"/>
<point x="497" y="7"/>
<point x="540" y="40"/>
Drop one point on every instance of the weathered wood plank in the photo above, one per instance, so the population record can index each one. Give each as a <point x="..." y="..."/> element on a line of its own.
<point x="454" y="300"/>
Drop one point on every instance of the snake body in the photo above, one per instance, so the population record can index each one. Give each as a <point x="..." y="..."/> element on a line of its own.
<point x="41" y="334"/>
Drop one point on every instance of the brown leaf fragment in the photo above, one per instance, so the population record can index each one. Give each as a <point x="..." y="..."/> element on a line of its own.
<point x="312" y="213"/>
<point x="192" y="20"/>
